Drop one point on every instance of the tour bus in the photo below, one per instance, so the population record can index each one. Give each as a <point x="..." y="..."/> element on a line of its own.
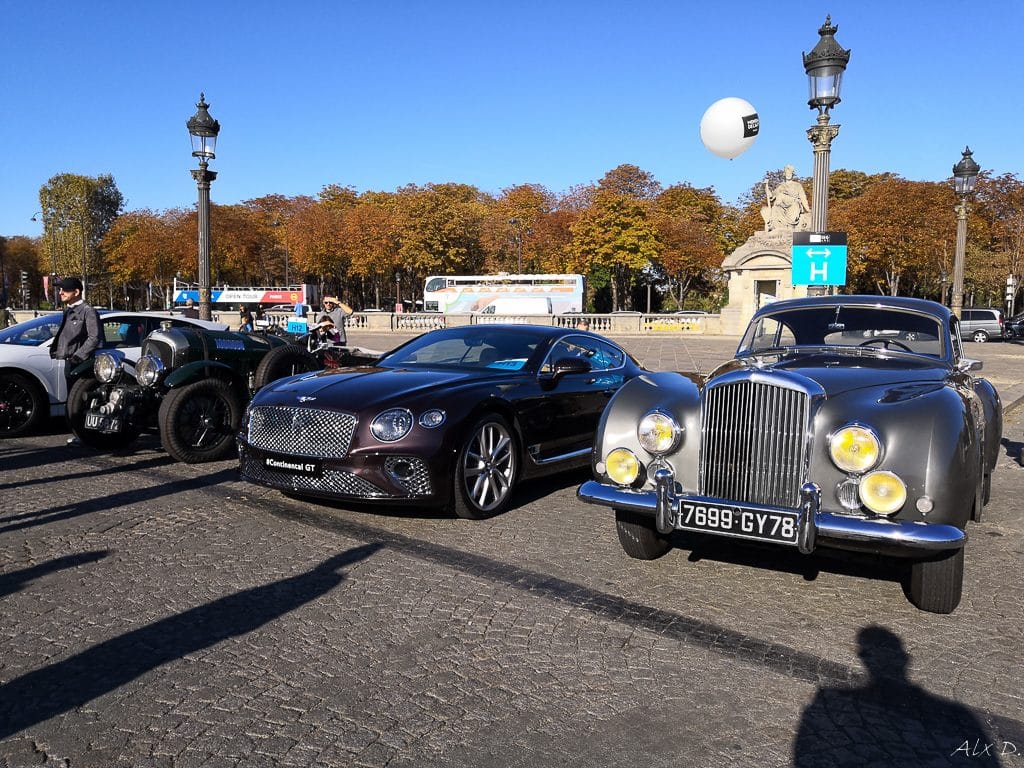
<point x="289" y="295"/>
<point x="473" y="293"/>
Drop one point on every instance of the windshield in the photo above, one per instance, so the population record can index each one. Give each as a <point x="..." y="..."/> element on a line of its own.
<point x="877" y="328"/>
<point x="475" y="347"/>
<point x="32" y="333"/>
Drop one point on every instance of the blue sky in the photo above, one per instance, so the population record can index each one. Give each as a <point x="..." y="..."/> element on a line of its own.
<point x="376" y="95"/>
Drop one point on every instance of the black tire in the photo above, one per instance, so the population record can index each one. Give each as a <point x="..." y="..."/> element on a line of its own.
<point x="638" y="537"/>
<point x="284" y="361"/>
<point x="936" y="585"/>
<point x="23" y="404"/>
<point x="980" y="336"/>
<point x="486" y="469"/>
<point x="78" y="406"/>
<point x="199" y="421"/>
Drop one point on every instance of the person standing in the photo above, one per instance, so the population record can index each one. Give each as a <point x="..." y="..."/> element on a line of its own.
<point x="190" y="309"/>
<point x="79" y="333"/>
<point x="337" y="312"/>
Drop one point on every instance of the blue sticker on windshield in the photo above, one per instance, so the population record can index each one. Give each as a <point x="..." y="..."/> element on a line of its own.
<point x="508" y="365"/>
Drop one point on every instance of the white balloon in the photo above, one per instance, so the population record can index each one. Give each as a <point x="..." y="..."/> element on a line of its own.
<point x="729" y="127"/>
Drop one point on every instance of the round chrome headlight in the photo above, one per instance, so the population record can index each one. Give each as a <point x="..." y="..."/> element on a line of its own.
<point x="658" y="433"/>
<point x="855" y="448"/>
<point x="106" y="367"/>
<point x="391" y="425"/>
<point x="149" y="370"/>
<point x="622" y="466"/>
<point x="432" y="418"/>
<point x="882" y="492"/>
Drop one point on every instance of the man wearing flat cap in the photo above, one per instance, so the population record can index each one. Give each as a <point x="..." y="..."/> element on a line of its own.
<point x="79" y="332"/>
<point x="337" y="312"/>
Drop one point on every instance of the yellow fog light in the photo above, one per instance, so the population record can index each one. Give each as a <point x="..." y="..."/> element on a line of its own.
<point x="854" y="448"/>
<point x="623" y="466"/>
<point x="883" y="492"/>
<point x="658" y="433"/>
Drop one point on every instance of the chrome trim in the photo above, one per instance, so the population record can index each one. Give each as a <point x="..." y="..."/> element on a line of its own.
<point x="817" y="529"/>
<point x="562" y="457"/>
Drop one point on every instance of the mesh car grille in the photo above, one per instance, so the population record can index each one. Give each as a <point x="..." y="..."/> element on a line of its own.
<point x="753" y="443"/>
<point x="331" y="482"/>
<point x="410" y="473"/>
<point x="301" y="431"/>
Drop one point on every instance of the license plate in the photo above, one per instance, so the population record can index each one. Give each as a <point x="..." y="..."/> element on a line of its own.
<point x="764" y="525"/>
<point x="304" y="467"/>
<point x="102" y="423"/>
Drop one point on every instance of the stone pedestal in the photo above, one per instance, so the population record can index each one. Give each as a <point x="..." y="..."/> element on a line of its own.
<point x="759" y="271"/>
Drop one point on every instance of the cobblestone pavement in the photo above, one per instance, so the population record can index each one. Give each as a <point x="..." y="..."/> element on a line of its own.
<point x="157" y="614"/>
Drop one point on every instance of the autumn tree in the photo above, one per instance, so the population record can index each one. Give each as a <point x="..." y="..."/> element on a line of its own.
<point x="77" y="211"/>
<point x="513" y="220"/>
<point x="1000" y="201"/>
<point x="691" y="228"/>
<point x="21" y="254"/>
<point x="896" y="231"/>
<point x="616" y="240"/>
<point x="144" y="249"/>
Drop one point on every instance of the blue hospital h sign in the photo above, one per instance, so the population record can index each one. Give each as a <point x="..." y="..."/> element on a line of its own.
<point x="819" y="258"/>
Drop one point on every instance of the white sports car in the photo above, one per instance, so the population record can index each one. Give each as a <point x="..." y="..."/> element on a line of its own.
<point x="33" y="385"/>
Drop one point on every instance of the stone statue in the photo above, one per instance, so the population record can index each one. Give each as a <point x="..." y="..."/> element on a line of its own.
<point x="787" y="207"/>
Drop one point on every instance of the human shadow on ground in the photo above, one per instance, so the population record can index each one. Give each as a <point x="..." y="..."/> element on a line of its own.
<point x="16" y="580"/>
<point x="129" y="497"/>
<point x="61" y="687"/>
<point x="1014" y="449"/>
<point x="889" y="720"/>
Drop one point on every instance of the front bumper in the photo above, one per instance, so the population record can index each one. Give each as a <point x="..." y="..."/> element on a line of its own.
<point x="814" y="527"/>
<point x="369" y="478"/>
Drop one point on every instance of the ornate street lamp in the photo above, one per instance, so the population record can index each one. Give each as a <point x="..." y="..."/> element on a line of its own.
<point x="203" y="129"/>
<point x="824" y="66"/>
<point x="965" y="174"/>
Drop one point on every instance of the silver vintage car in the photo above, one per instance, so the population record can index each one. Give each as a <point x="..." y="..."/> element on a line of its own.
<point x="850" y="422"/>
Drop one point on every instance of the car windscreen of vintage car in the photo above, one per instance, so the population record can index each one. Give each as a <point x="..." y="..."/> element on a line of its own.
<point x="476" y="347"/>
<point x="32" y="333"/>
<point x="861" y="327"/>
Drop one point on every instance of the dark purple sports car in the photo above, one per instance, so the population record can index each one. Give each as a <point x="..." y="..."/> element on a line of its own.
<point x="454" y="418"/>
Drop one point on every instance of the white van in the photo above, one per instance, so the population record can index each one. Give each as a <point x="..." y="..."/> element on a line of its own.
<point x="519" y="305"/>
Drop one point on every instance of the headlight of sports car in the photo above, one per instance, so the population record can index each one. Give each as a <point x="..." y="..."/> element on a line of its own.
<point x="855" y="448"/>
<point x="149" y="370"/>
<point x="658" y="433"/>
<point x="882" y="492"/>
<point x="391" y="425"/>
<point x="622" y="466"/>
<point x="106" y="367"/>
<point x="432" y="418"/>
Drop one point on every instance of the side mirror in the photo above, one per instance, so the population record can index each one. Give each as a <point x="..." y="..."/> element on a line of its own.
<point x="565" y="365"/>
<point x="965" y="365"/>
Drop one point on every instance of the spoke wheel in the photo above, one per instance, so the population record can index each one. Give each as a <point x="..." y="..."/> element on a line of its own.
<point x="21" y="405"/>
<point x="199" y="421"/>
<point x="486" y="472"/>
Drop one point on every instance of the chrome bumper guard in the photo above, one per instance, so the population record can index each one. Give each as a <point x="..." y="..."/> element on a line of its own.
<point x="813" y="527"/>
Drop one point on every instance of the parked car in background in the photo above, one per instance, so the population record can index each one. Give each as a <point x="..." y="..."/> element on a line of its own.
<point x="454" y="418"/>
<point x="982" y="324"/>
<point x="845" y="422"/>
<point x="33" y="386"/>
<point x="1015" y="327"/>
<point x="191" y="384"/>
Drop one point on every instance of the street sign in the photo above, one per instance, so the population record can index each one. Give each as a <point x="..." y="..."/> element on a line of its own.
<point x="819" y="258"/>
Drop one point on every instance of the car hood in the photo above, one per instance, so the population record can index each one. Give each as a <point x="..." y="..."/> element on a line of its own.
<point x="838" y="373"/>
<point x="356" y="388"/>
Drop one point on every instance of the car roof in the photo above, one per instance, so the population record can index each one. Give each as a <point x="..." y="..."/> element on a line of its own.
<point x="211" y="324"/>
<point x="882" y="302"/>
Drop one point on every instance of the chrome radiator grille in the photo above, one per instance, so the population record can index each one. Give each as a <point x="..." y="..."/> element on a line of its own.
<point x="301" y="431"/>
<point x="754" y="439"/>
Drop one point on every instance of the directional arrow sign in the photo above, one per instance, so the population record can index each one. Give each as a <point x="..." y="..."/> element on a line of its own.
<point x="819" y="258"/>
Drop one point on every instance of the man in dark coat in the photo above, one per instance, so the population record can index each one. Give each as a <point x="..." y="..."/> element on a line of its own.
<point x="79" y="333"/>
